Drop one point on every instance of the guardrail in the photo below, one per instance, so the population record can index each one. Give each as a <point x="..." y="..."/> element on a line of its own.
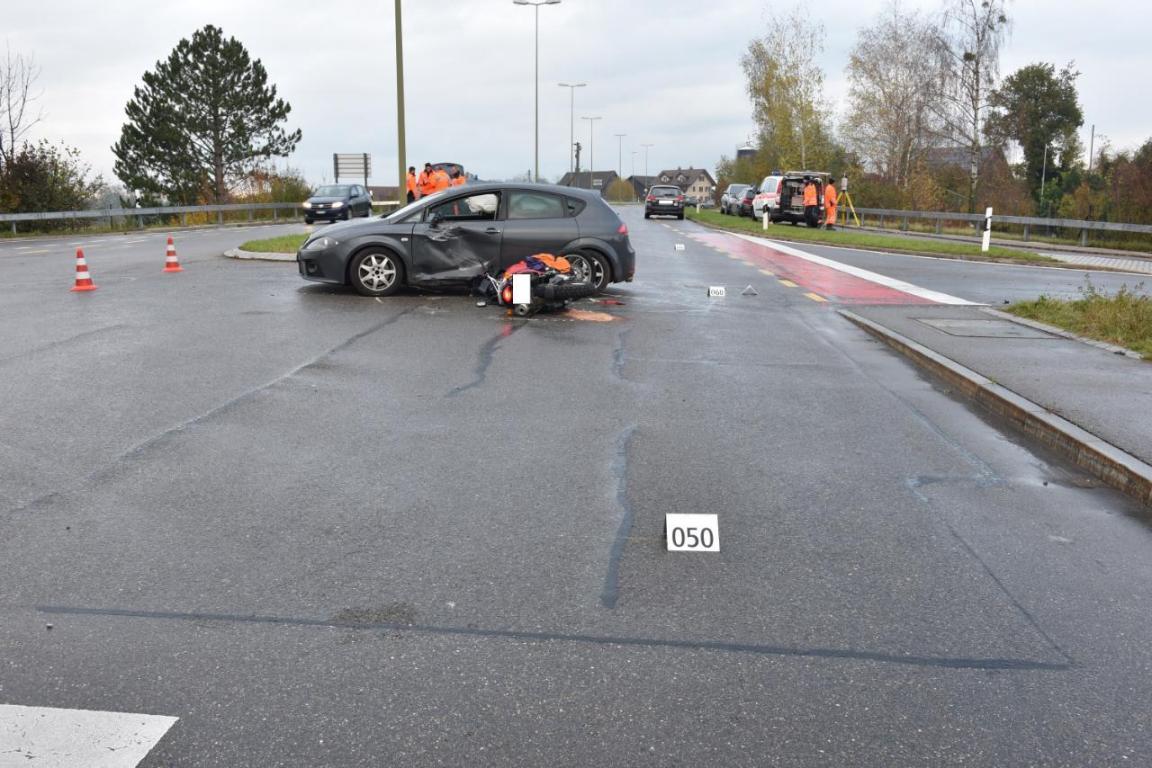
<point x="1027" y="222"/>
<point x="182" y="211"/>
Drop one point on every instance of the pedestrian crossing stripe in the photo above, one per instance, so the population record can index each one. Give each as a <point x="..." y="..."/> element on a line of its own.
<point x="46" y="737"/>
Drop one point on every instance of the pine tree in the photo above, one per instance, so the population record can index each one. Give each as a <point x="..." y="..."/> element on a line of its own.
<point x="201" y="120"/>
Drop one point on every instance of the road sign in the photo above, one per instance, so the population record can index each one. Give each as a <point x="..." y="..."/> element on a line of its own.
<point x="356" y="165"/>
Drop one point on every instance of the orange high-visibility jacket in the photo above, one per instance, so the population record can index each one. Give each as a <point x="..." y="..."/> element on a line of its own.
<point x="810" y="195"/>
<point x="412" y="183"/>
<point x="830" y="203"/>
<point x="459" y="180"/>
<point x="425" y="183"/>
<point x="440" y="180"/>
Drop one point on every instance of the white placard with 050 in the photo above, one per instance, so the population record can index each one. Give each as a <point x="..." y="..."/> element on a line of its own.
<point x="716" y="291"/>
<point x="692" y="533"/>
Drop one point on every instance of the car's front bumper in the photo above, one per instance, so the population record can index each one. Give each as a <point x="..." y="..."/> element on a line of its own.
<point x="322" y="266"/>
<point x="325" y="212"/>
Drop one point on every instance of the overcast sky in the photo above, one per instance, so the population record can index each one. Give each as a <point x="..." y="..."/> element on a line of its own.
<point x="664" y="72"/>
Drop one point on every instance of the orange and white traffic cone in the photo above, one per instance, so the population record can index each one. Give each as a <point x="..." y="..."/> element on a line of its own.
<point x="172" y="264"/>
<point x="83" y="279"/>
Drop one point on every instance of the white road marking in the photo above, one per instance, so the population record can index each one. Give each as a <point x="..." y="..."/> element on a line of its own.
<point x="864" y="274"/>
<point x="43" y="737"/>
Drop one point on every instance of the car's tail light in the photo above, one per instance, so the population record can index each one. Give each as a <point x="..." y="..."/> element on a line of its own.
<point x="623" y="230"/>
<point x="651" y="198"/>
<point x="679" y="198"/>
<point x="780" y="187"/>
<point x="506" y="294"/>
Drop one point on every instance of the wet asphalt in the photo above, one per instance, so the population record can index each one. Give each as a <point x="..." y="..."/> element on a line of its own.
<point x="327" y="530"/>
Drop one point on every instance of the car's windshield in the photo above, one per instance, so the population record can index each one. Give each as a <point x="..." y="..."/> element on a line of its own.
<point x="332" y="190"/>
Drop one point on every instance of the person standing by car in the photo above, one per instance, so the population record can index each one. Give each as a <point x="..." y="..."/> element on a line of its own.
<point x="440" y="180"/>
<point x="811" y="203"/>
<point x="830" y="205"/>
<point x="424" y="184"/>
<point x="458" y="177"/>
<point x="411" y="181"/>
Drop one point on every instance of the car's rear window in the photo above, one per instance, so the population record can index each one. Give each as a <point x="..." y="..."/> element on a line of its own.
<point x="665" y="191"/>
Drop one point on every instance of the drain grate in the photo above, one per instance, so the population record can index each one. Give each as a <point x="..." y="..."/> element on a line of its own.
<point x="989" y="329"/>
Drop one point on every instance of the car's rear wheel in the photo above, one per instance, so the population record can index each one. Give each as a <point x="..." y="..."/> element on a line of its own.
<point x="591" y="268"/>
<point x="308" y="221"/>
<point x="376" y="273"/>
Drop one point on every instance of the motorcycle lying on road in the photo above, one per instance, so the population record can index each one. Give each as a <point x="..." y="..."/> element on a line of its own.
<point x="553" y="285"/>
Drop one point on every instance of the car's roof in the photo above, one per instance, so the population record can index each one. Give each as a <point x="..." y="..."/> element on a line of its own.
<point x="556" y="189"/>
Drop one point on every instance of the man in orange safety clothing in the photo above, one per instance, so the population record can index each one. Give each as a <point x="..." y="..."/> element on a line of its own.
<point x="458" y="177"/>
<point x="830" y="205"/>
<point x="440" y="180"/>
<point x="424" y="183"/>
<point x="811" y="203"/>
<point x="411" y="181"/>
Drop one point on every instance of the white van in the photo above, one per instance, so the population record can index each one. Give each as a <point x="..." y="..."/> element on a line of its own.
<point x="769" y="195"/>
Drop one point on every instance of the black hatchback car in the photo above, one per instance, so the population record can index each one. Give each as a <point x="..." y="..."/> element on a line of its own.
<point x="664" y="200"/>
<point x="456" y="235"/>
<point x="337" y="201"/>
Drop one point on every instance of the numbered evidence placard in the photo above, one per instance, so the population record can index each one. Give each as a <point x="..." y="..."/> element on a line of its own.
<point x="692" y="533"/>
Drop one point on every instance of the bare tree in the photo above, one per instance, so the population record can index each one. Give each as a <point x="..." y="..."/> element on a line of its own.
<point x="968" y="50"/>
<point x="18" y="74"/>
<point x="894" y="94"/>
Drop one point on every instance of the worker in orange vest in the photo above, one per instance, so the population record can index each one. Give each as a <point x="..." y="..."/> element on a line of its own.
<point x="458" y="177"/>
<point x="424" y="183"/>
<point x="830" y="205"/>
<point x="811" y="203"/>
<point x="440" y="180"/>
<point x="411" y="184"/>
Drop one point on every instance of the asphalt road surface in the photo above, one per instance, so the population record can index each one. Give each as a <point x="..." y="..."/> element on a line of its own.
<point x="323" y="530"/>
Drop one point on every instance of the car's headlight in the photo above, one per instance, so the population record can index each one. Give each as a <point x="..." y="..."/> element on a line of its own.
<point x="338" y="204"/>
<point x="319" y="244"/>
<point x="305" y="204"/>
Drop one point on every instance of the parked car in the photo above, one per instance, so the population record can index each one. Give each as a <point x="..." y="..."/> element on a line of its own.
<point x="457" y="235"/>
<point x="731" y="197"/>
<point x="787" y="203"/>
<point x="664" y="200"/>
<point x="744" y="203"/>
<point x="337" y="201"/>
<point x="769" y="194"/>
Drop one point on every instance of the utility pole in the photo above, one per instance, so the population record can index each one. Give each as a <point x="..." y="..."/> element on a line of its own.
<point x="571" y="117"/>
<point x="620" y="154"/>
<point x="1091" y="147"/>
<point x="401" y="151"/>
<point x="537" y="5"/>
<point x="1043" y="175"/>
<point x="646" y="146"/>
<point x="591" y="150"/>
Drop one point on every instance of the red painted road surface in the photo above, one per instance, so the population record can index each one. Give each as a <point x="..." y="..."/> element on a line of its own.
<point x="832" y="284"/>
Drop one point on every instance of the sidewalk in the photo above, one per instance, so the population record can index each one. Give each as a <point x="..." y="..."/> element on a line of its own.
<point x="1103" y="393"/>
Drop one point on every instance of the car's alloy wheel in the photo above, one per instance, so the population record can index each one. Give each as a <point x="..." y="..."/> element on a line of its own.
<point x="376" y="273"/>
<point x="589" y="267"/>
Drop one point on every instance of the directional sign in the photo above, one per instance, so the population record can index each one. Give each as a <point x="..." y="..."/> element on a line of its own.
<point x="352" y="165"/>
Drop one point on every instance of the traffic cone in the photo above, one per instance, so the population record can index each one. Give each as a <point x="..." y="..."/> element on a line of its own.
<point x="83" y="279"/>
<point x="172" y="264"/>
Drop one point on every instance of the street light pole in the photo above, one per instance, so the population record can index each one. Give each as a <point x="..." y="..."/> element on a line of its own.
<point x="572" y="119"/>
<point x="646" y="146"/>
<point x="620" y="153"/>
<point x="1043" y="176"/>
<point x="537" y="5"/>
<point x="591" y="150"/>
<point x="401" y="187"/>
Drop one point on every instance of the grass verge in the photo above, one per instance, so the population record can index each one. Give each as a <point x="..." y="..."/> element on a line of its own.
<point x="1123" y="318"/>
<point x="282" y="244"/>
<point x="852" y="239"/>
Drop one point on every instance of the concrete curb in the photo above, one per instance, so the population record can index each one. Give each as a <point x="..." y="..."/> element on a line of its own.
<point x="236" y="253"/>
<point x="1113" y="466"/>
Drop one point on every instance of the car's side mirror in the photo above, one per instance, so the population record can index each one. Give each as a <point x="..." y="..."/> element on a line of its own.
<point x="434" y="220"/>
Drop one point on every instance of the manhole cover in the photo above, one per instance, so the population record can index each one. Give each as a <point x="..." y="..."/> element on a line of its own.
<point x="992" y="329"/>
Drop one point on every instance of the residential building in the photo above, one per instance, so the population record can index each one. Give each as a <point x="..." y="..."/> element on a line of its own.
<point x="598" y="180"/>
<point x="695" y="182"/>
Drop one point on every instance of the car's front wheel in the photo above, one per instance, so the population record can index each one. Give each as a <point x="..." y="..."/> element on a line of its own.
<point x="376" y="273"/>
<point x="590" y="267"/>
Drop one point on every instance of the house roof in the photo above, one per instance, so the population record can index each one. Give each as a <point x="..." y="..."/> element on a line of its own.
<point x="683" y="177"/>
<point x="596" y="180"/>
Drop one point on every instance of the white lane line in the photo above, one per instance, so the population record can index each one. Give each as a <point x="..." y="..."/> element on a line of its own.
<point x="43" y="737"/>
<point x="864" y="274"/>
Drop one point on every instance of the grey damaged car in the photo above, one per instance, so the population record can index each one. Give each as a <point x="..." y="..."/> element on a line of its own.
<point x="457" y="235"/>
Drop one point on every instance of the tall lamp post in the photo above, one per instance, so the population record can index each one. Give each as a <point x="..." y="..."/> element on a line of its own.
<point x="620" y="153"/>
<point x="401" y="188"/>
<point x="591" y="150"/>
<point x="646" y="147"/>
<point x="572" y="119"/>
<point x="536" y="4"/>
